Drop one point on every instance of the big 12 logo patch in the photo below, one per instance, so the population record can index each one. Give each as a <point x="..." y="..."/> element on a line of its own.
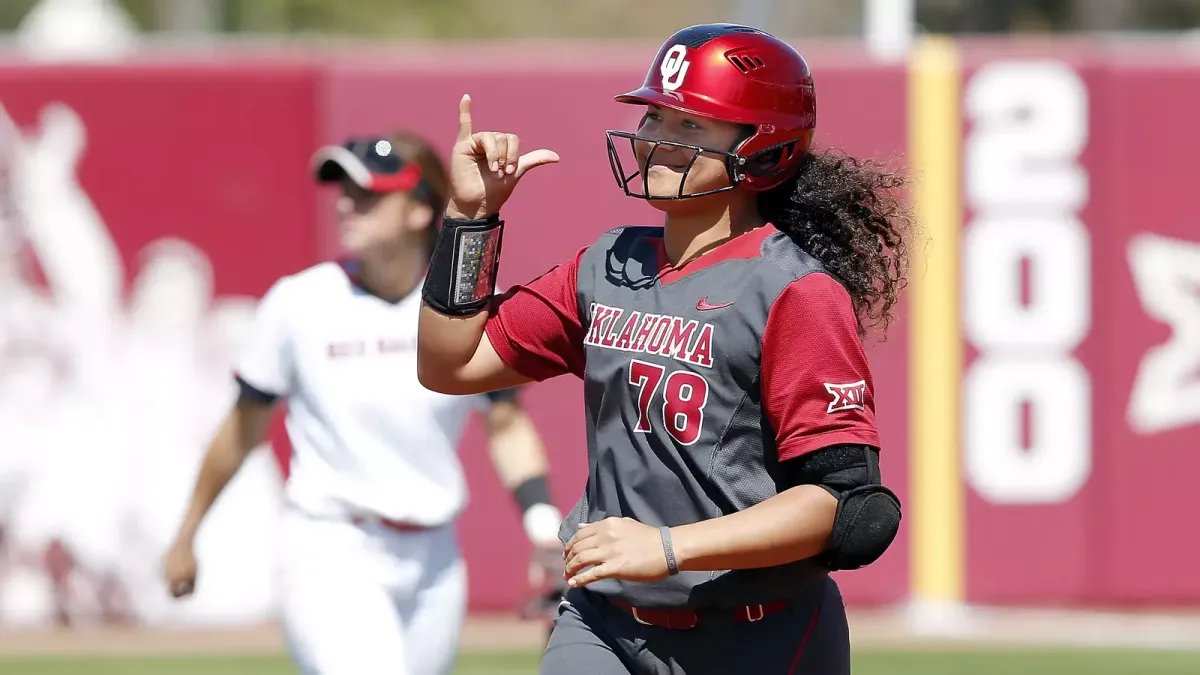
<point x="850" y="396"/>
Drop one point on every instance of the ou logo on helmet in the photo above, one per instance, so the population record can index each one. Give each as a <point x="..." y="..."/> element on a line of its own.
<point x="674" y="67"/>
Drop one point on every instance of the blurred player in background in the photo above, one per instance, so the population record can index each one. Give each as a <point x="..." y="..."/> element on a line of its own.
<point x="371" y="577"/>
<point x="732" y="448"/>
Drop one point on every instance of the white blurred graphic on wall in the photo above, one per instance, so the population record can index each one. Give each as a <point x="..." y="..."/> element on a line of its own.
<point x="110" y="389"/>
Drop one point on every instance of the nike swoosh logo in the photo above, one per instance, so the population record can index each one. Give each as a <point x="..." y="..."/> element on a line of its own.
<point x="704" y="305"/>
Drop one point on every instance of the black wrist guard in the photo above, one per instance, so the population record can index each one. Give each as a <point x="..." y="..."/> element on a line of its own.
<point x="532" y="491"/>
<point x="462" y="271"/>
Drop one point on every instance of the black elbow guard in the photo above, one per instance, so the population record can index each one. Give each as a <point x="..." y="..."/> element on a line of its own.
<point x="867" y="520"/>
<point x="868" y="514"/>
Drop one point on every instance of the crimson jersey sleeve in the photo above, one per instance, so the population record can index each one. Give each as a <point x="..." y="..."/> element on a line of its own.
<point x="536" y="328"/>
<point x="816" y="384"/>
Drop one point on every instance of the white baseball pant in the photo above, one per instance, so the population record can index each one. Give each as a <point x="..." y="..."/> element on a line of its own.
<point x="369" y="599"/>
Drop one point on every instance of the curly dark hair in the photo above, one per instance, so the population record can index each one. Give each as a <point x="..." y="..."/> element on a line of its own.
<point x="849" y="214"/>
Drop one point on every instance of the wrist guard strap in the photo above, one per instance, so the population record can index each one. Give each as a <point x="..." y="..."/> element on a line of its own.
<point x="462" y="271"/>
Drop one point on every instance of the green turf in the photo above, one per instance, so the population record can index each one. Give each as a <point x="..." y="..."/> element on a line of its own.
<point x="1061" y="662"/>
<point x="1064" y="662"/>
<point x="147" y="666"/>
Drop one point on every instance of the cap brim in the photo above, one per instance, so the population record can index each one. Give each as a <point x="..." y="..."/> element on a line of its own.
<point x="331" y="163"/>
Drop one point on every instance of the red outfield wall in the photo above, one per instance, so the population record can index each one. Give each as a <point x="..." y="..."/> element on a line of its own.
<point x="1080" y="309"/>
<point x="1081" y="306"/>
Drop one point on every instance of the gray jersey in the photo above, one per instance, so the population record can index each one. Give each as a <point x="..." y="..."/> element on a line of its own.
<point x="698" y="382"/>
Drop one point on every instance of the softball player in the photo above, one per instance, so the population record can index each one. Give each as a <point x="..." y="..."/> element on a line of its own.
<point x="370" y="573"/>
<point x="733" y="453"/>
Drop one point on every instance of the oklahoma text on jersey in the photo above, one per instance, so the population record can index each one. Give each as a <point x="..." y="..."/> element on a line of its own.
<point x="681" y="339"/>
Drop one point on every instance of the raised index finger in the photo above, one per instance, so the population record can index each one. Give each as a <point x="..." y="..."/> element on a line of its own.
<point x="464" y="117"/>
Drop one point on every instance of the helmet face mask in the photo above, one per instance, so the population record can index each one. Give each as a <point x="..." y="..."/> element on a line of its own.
<point x="732" y="74"/>
<point x="734" y="166"/>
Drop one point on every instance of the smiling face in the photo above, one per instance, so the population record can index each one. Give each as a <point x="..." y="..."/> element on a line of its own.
<point x="665" y="166"/>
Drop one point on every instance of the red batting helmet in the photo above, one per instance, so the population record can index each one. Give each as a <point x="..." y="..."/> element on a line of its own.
<point x="733" y="74"/>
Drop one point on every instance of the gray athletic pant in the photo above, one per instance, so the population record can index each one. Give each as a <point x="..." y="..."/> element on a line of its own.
<point x="592" y="637"/>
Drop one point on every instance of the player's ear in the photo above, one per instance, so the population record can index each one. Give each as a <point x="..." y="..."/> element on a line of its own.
<point x="418" y="216"/>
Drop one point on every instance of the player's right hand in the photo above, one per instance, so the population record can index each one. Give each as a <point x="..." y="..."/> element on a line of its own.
<point x="545" y="567"/>
<point x="179" y="570"/>
<point x="485" y="167"/>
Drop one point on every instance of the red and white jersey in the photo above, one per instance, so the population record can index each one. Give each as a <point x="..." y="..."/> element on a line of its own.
<point x="366" y="437"/>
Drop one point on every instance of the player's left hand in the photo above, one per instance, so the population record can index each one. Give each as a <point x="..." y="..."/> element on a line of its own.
<point x="615" y="548"/>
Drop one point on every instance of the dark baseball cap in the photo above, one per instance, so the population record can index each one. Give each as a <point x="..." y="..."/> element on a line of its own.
<point x="372" y="163"/>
